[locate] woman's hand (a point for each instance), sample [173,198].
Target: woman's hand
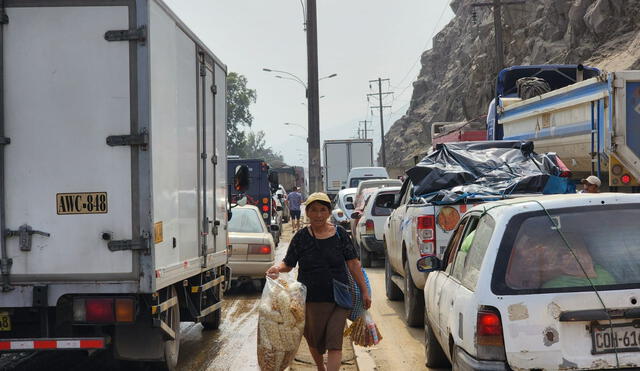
[273,272]
[366,301]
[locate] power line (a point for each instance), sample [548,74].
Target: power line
[380,106]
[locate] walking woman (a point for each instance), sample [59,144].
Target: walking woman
[321,250]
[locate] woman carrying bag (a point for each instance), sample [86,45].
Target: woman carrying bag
[324,253]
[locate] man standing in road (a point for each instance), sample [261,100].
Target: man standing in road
[295,200]
[591,184]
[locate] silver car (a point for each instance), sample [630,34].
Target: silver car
[343,207]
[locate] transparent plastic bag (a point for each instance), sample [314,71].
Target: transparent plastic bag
[363,331]
[281,317]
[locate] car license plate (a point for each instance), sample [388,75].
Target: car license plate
[5,321]
[81,203]
[625,337]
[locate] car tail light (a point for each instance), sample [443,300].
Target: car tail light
[489,338]
[259,249]
[369,227]
[99,310]
[265,208]
[426,235]
[625,179]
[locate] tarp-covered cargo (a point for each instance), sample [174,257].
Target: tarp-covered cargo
[455,171]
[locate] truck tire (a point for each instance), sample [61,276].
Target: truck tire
[393,292]
[434,355]
[413,300]
[212,320]
[365,257]
[172,347]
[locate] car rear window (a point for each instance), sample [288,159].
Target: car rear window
[355,181]
[383,205]
[570,250]
[245,221]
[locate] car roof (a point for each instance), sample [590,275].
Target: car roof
[248,207]
[347,190]
[557,201]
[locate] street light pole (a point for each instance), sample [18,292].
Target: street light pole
[315,184]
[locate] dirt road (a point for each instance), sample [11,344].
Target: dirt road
[402,347]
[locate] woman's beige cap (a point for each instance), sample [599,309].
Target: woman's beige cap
[318,196]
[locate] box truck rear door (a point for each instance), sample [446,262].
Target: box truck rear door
[66,90]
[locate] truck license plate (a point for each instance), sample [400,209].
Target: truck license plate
[81,203]
[625,337]
[5,321]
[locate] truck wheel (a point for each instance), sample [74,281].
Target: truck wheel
[413,300]
[434,355]
[393,292]
[212,320]
[172,347]
[365,257]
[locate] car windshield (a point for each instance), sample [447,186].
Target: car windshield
[245,221]
[383,205]
[355,181]
[604,249]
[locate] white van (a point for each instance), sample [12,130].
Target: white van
[358,174]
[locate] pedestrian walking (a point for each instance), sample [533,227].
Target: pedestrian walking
[591,184]
[295,199]
[323,253]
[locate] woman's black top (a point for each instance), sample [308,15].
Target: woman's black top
[320,263]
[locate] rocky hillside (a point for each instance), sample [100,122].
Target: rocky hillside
[457,78]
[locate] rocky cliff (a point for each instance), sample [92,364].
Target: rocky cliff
[457,78]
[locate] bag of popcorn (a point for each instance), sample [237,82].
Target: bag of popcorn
[280,322]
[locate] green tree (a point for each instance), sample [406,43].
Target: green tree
[256,147]
[239,98]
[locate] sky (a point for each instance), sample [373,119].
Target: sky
[359,40]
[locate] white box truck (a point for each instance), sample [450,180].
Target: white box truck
[340,156]
[113,196]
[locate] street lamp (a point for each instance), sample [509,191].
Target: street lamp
[292,124]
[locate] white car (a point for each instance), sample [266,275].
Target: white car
[542,283]
[252,249]
[358,174]
[343,207]
[369,230]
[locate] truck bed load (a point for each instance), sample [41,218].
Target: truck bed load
[489,168]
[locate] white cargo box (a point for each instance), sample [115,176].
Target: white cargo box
[115,113]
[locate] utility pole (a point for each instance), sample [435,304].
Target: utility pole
[381,106]
[497,27]
[365,131]
[313,104]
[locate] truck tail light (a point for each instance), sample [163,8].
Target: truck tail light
[259,249]
[489,338]
[265,208]
[99,310]
[625,179]
[125,310]
[426,235]
[104,310]
[369,227]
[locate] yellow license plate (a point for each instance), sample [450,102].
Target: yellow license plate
[5,321]
[81,203]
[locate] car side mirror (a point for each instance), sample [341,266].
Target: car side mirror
[355,215]
[274,228]
[349,206]
[241,178]
[349,199]
[428,264]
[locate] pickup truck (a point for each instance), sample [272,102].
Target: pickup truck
[414,229]
[440,189]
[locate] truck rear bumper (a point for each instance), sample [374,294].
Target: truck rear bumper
[19,345]
[22,294]
[372,244]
